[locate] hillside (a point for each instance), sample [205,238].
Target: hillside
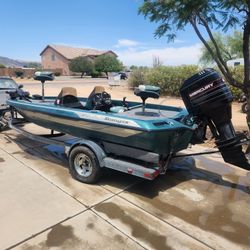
[8,62]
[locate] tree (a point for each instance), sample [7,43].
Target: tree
[204,16]
[107,63]
[156,61]
[230,47]
[133,67]
[2,66]
[82,65]
[35,65]
[235,44]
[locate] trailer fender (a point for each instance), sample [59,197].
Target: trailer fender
[97,150]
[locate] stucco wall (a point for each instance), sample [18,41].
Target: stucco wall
[59,61]
[12,72]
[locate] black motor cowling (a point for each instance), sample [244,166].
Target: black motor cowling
[208,99]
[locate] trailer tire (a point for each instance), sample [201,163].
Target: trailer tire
[4,119]
[244,107]
[83,165]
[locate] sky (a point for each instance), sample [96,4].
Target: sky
[27,27]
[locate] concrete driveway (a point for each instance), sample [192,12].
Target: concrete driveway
[200,203]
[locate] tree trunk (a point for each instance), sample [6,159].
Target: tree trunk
[227,74]
[246,36]
[218,52]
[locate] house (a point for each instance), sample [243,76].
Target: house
[57,57]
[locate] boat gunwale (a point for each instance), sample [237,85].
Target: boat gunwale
[177,125]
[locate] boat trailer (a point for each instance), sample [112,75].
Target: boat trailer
[208,101]
[87,158]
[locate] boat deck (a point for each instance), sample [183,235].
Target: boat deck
[136,113]
[149,114]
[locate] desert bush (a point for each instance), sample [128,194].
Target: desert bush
[237,93]
[238,73]
[57,73]
[170,78]
[137,78]
[95,74]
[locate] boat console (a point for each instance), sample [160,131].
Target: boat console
[99,99]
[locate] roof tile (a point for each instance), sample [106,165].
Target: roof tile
[72,52]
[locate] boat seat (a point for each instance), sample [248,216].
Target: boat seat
[147,91]
[43,76]
[68,98]
[99,99]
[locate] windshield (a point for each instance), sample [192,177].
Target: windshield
[6,83]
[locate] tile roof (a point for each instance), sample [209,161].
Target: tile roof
[72,52]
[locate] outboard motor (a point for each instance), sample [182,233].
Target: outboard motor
[208,99]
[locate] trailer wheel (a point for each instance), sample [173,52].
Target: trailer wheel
[83,165]
[4,119]
[244,107]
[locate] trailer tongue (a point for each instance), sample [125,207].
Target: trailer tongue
[208,100]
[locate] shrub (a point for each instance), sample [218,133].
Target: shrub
[237,93]
[95,74]
[136,78]
[2,66]
[171,78]
[57,73]
[238,73]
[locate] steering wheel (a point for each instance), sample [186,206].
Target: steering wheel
[102,101]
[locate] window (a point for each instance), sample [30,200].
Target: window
[53,57]
[6,83]
[236,64]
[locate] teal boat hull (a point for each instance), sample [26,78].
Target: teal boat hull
[161,135]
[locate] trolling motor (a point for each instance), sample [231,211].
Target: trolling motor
[43,76]
[208,100]
[18,93]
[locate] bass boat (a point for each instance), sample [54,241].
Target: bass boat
[153,128]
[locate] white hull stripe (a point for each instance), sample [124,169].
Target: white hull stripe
[88,115]
[107,129]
